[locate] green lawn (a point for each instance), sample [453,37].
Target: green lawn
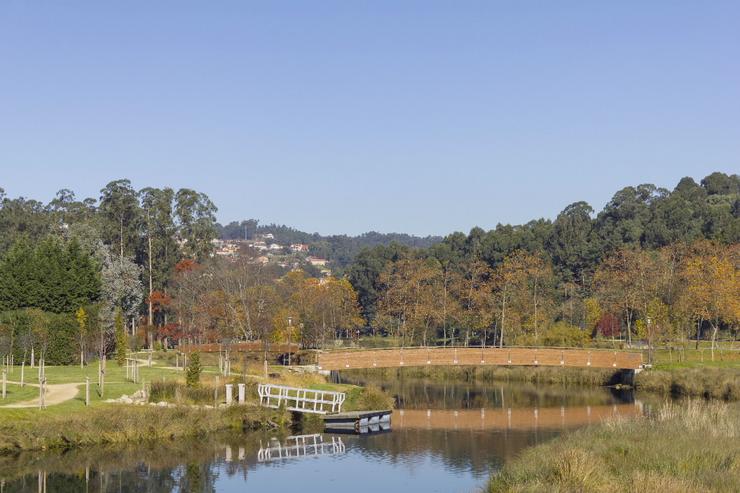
[726,355]
[115,386]
[16,393]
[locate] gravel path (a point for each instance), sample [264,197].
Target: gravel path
[55,394]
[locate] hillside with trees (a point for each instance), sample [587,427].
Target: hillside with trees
[340,250]
[654,265]
[135,268]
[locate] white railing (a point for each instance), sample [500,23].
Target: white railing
[300,400]
[300,446]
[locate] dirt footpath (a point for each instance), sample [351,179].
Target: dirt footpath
[55,394]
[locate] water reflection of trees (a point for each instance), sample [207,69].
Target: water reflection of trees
[182,465]
[480,452]
[414,393]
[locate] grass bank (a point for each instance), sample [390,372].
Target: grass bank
[682,448]
[709,383]
[118,424]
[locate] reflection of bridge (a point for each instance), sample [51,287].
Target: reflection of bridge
[478,356]
[300,446]
[511,418]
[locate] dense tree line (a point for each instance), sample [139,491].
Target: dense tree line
[75,265]
[80,277]
[547,278]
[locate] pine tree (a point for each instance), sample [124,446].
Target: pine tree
[192,372]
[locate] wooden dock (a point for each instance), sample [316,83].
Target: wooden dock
[358,421]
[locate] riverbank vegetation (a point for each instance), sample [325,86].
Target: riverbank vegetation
[112,423]
[683,447]
[709,383]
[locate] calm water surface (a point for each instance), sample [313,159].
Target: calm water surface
[446,437]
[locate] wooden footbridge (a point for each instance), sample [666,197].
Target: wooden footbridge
[479,356]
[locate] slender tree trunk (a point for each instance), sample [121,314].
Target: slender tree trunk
[444,309]
[151,283]
[698,332]
[535,311]
[121,240]
[503,320]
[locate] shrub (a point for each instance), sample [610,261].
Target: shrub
[566,335]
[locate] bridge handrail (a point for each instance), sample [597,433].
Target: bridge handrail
[319,399]
[286,387]
[561,348]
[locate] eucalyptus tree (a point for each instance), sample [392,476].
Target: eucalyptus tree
[626,218]
[572,244]
[21,217]
[196,223]
[159,252]
[121,217]
[65,210]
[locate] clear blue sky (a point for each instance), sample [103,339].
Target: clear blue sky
[421,117]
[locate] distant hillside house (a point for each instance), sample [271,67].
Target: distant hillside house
[259,245]
[299,247]
[317,262]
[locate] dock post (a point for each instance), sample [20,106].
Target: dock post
[229,394]
[242,389]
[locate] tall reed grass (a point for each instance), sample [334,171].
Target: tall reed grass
[684,447]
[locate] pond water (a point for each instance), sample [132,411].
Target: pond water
[445,437]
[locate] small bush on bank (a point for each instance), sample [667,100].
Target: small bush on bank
[178,393]
[373,398]
[562,334]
